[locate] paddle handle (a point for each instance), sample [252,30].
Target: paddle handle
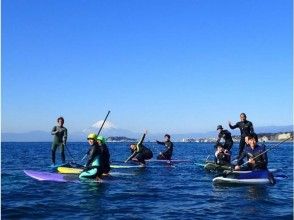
[99,130]
[103,123]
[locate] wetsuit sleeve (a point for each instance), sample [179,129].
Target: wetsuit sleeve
[234,126]
[65,136]
[92,154]
[142,139]
[251,128]
[240,160]
[219,138]
[159,142]
[53,131]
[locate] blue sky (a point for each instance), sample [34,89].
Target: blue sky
[168,66]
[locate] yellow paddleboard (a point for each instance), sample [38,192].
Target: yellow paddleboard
[68,170]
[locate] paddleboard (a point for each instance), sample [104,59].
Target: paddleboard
[244,178]
[136,166]
[69,170]
[124,166]
[169,161]
[216,167]
[47,176]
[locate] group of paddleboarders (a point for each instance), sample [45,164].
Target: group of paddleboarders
[98,163]
[248,147]
[140,153]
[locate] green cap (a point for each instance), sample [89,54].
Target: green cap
[102,139]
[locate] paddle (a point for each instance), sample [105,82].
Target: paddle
[225,174]
[98,131]
[69,153]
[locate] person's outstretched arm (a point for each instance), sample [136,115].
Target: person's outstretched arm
[142,139]
[160,142]
[233,126]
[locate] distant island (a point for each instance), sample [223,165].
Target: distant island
[267,137]
[120,139]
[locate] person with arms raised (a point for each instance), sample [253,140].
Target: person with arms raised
[139,152]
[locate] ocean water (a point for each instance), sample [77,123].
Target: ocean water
[162,192]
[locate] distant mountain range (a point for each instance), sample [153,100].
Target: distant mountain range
[43,136]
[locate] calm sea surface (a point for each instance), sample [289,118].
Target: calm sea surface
[159,192]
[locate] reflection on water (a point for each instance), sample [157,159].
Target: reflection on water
[258,192]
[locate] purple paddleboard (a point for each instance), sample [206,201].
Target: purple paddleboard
[47,176]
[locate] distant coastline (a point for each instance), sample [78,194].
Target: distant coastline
[262,137]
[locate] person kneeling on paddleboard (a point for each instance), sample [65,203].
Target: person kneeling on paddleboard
[256,156]
[93,169]
[139,152]
[105,156]
[167,154]
[222,156]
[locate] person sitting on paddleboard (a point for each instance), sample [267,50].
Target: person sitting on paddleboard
[226,135]
[246,128]
[257,159]
[105,156]
[167,154]
[93,169]
[222,156]
[139,152]
[59,139]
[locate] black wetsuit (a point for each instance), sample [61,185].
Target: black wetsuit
[105,158]
[167,154]
[246,128]
[93,167]
[260,162]
[222,159]
[60,137]
[141,153]
[226,135]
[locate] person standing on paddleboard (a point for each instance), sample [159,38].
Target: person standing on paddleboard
[59,139]
[246,128]
[167,154]
[226,135]
[105,156]
[139,152]
[251,151]
[93,169]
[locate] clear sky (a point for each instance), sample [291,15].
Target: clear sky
[165,65]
